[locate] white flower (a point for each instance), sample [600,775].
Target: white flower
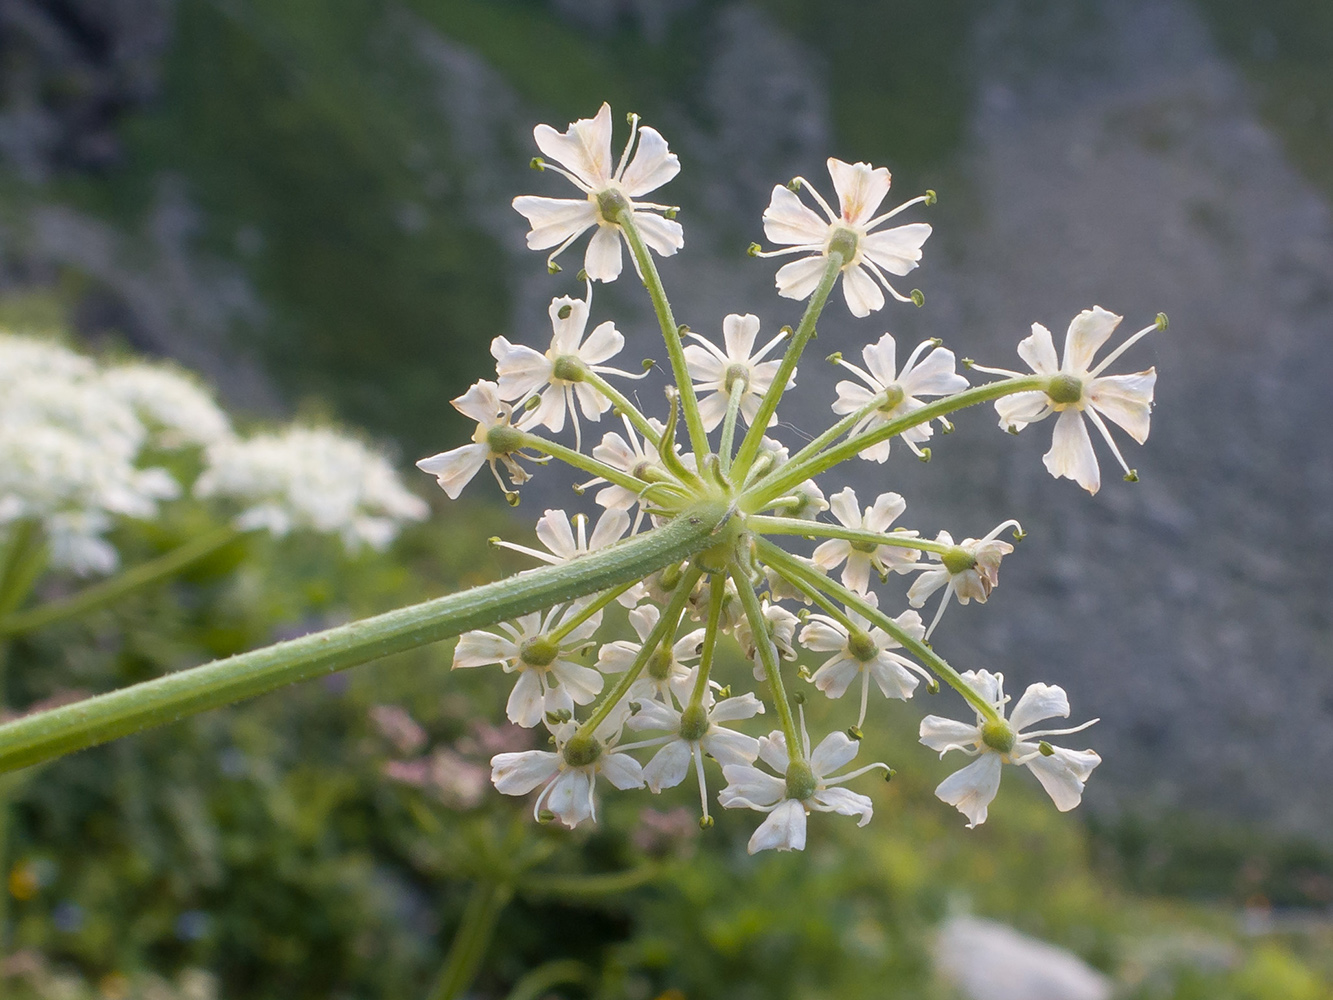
[862,557]
[801,789]
[715,372]
[566,540]
[1078,389]
[310,478]
[584,151]
[170,402]
[666,672]
[969,569]
[898,393]
[863,651]
[549,681]
[781,625]
[694,733]
[455,468]
[805,502]
[570,773]
[1061,772]
[523,371]
[860,189]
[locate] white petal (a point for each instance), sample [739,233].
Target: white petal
[821,637]
[844,802]
[554,531]
[851,397]
[481,402]
[846,507]
[799,278]
[703,365]
[1071,454]
[1063,775]
[730,747]
[1022,408]
[1088,331]
[861,291]
[526,704]
[973,788]
[664,236]
[738,334]
[567,330]
[750,788]
[477,649]
[1039,701]
[897,250]
[834,751]
[622,770]
[570,797]
[584,149]
[583,683]
[617,657]
[554,220]
[1038,350]
[788,222]
[831,553]
[1125,399]
[713,410]
[856,574]
[885,510]
[783,830]
[455,469]
[603,344]
[942,735]
[926,584]
[591,402]
[934,375]
[610,527]
[653,164]
[741,706]
[860,188]
[881,359]
[669,766]
[520,773]
[893,679]
[836,676]
[603,259]
[773,751]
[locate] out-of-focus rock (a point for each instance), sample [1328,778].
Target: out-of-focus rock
[990,961]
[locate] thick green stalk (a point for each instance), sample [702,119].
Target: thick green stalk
[795,473]
[670,330]
[768,406]
[768,658]
[473,937]
[785,563]
[90,598]
[581,461]
[59,731]
[763,525]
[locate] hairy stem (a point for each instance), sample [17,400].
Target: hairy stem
[764,525]
[53,733]
[768,658]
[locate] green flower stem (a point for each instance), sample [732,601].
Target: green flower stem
[729,425]
[50,734]
[153,571]
[794,473]
[717,592]
[793,569]
[836,431]
[581,461]
[768,406]
[824,601]
[24,560]
[570,887]
[538,983]
[576,620]
[670,330]
[663,631]
[764,525]
[473,937]
[768,658]
[622,404]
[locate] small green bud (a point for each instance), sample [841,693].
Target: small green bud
[1012,429]
[786,331]
[635,708]
[724,693]
[854,733]
[610,203]
[670,213]
[537,163]
[661,662]
[503,439]
[1064,388]
[754,249]
[834,358]
[1162,321]
[546,816]
[693,723]
[647,364]
[957,560]
[844,242]
[800,780]
[512,498]
[581,276]
[569,368]
[532,402]
[803,673]
[733,374]
[968,362]
[893,394]
[1046,749]
[553,268]
[632,118]
[539,651]
[798,697]
[1132,476]
[947,426]
[998,735]
[581,751]
[925,455]
[931,197]
[918,297]
[794,184]
[890,774]
[494,541]
[861,646]
[564,311]
[558,717]
[578,489]
[1018,534]
[932,686]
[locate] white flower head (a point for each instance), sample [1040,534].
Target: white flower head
[896,392]
[695,731]
[862,557]
[570,773]
[716,372]
[631,453]
[492,442]
[804,786]
[867,255]
[584,154]
[172,403]
[781,625]
[1078,389]
[969,570]
[667,673]
[1061,772]
[863,651]
[557,375]
[550,682]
